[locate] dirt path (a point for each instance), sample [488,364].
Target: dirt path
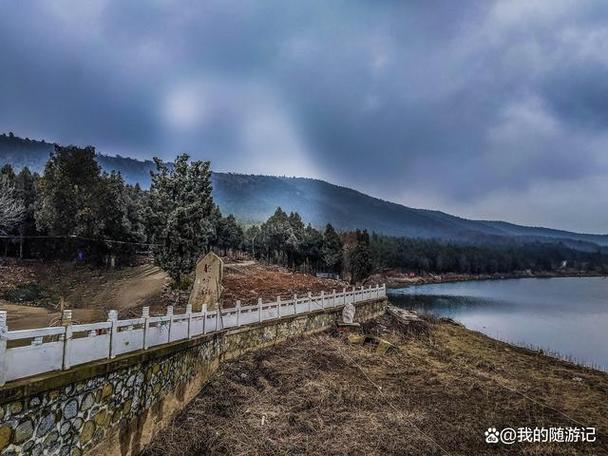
[136,287]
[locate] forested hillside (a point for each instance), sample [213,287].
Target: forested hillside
[21,153]
[253,198]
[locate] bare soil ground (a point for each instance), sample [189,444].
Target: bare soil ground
[249,281]
[437,395]
[31,291]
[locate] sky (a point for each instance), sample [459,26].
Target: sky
[483,109]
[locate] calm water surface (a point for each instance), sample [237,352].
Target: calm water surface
[564,315]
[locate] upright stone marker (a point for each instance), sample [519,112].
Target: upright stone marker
[348,314]
[207,288]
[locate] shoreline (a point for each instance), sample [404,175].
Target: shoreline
[540,350]
[402,280]
[535,350]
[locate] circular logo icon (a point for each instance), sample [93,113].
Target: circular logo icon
[508,436]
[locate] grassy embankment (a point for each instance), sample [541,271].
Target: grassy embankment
[440,392]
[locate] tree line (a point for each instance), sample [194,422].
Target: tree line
[284,239]
[74,210]
[422,256]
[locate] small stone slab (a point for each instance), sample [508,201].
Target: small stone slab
[356,339]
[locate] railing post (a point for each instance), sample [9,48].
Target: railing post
[362,293]
[189,314]
[204,318]
[309,301]
[259,310]
[218,315]
[278,307]
[353,295]
[170,315]
[333,297]
[322,300]
[66,322]
[113,318]
[3,331]
[295,304]
[238,313]
[145,314]
[383,290]
[344,295]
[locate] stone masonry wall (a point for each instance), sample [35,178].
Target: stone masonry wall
[113,407]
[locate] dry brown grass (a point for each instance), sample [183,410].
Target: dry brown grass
[446,385]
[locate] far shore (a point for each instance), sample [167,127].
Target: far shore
[394,279]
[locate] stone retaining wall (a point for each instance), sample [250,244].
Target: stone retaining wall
[114,407]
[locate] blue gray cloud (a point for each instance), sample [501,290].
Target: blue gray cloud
[483,109]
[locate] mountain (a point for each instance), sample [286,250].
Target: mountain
[34,154]
[253,198]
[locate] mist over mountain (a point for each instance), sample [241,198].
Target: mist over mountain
[253,198]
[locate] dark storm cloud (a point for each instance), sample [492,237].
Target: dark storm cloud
[486,109]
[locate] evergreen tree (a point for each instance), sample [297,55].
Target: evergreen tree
[360,258]
[120,216]
[25,190]
[69,193]
[179,214]
[332,250]
[229,234]
[311,248]
[12,209]
[75,199]
[294,248]
[252,241]
[275,233]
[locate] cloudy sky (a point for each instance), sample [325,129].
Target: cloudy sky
[494,110]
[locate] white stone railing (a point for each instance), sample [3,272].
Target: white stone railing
[28,352]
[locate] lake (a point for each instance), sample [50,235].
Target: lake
[562,315]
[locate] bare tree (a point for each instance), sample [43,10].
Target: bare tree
[12,209]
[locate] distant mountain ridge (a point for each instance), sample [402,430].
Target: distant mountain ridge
[34,154]
[253,198]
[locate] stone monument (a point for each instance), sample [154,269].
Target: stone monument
[348,314]
[207,288]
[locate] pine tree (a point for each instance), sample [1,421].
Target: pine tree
[179,214]
[252,241]
[229,234]
[332,250]
[69,193]
[360,258]
[311,248]
[276,232]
